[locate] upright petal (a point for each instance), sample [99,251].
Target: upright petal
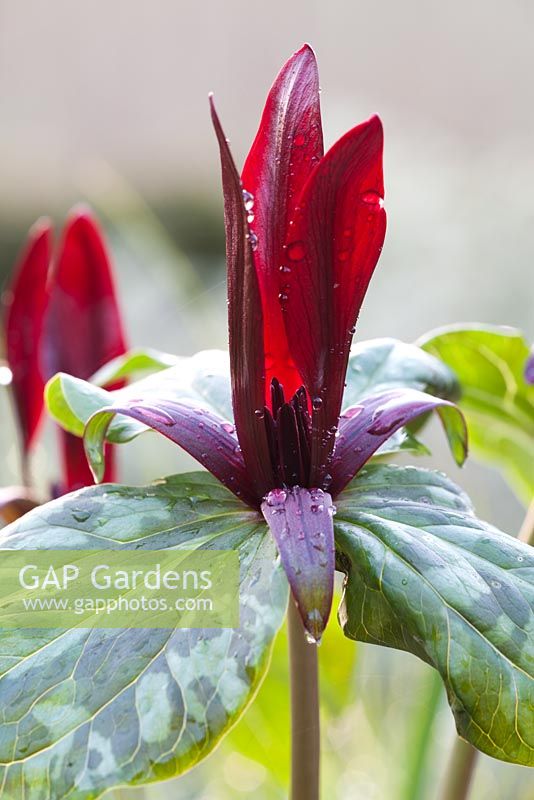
[245,323]
[25,303]
[301,523]
[334,244]
[287,146]
[365,427]
[83,326]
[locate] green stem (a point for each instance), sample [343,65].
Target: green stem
[305,728]
[464,757]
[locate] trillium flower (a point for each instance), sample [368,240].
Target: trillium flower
[304,231]
[61,314]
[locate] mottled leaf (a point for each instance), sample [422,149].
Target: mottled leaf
[425,575]
[86,710]
[498,404]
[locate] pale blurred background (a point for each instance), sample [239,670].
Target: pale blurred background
[107,102]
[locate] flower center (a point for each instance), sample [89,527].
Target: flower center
[288,428]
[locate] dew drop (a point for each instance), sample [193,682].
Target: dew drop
[228,427]
[317,508]
[317,402]
[284,269]
[299,140]
[282,297]
[352,412]
[259,413]
[253,239]
[295,251]
[384,423]
[250,218]
[372,199]
[156,415]
[81,516]
[248,200]
[276,497]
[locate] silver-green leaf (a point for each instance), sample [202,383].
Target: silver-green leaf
[84,710]
[423,574]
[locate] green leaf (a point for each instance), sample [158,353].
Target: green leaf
[497,402]
[85,710]
[203,378]
[132,363]
[379,365]
[425,575]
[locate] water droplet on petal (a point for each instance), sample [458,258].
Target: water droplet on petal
[372,199]
[253,239]
[228,427]
[276,497]
[295,251]
[299,140]
[156,415]
[248,200]
[317,402]
[81,516]
[352,412]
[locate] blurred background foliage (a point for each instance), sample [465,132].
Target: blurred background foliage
[107,103]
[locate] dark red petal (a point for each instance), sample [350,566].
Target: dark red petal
[83,326]
[203,434]
[287,146]
[365,427]
[332,249]
[76,471]
[25,302]
[245,324]
[301,523]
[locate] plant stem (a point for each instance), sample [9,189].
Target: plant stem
[460,771]
[305,729]
[464,757]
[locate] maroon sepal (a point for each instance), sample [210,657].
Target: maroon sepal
[204,435]
[245,323]
[365,427]
[301,522]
